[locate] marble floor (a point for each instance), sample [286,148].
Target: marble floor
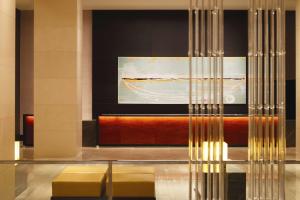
[171,180]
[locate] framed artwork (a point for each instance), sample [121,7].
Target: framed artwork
[165,80]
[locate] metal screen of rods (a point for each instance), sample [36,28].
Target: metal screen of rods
[266,100]
[206,119]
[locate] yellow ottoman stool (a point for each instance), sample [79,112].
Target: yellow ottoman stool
[132,186]
[80,182]
[78,185]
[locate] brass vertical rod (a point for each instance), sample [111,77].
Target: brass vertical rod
[283,75]
[254,101]
[250,192]
[259,97]
[279,92]
[209,125]
[202,101]
[272,96]
[281,98]
[221,110]
[214,95]
[196,98]
[190,54]
[266,103]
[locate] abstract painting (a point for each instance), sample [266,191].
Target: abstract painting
[165,80]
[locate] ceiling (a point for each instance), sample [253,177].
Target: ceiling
[148,4]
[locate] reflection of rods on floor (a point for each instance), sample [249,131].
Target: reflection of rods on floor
[148,93]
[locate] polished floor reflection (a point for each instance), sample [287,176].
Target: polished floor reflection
[149,153]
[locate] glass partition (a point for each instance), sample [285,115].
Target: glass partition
[30,180]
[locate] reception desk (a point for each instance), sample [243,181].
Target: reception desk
[163,130]
[154,130]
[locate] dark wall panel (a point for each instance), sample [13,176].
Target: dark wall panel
[132,33]
[291,65]
[235,33]
[155,33]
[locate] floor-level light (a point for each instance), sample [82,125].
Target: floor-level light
[17,150]
[214,155]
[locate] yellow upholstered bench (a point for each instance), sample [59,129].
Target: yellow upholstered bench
[133,185]
[130,182]
[88,182]
[80,182]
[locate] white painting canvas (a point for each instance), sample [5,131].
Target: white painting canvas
[165,80]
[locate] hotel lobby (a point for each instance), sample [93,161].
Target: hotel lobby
[149,100]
